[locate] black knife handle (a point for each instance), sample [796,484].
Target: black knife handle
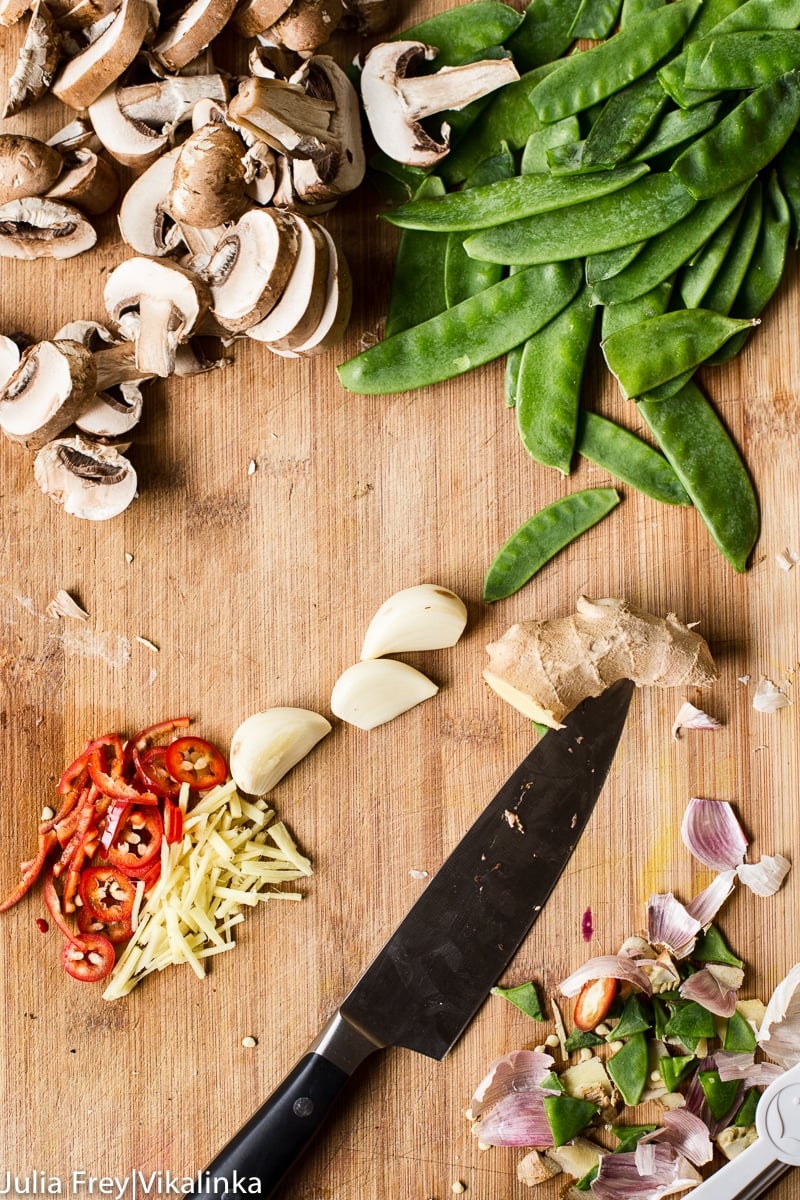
[259,1155]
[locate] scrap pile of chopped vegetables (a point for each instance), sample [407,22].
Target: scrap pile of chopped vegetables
[154,852]
[659,1024]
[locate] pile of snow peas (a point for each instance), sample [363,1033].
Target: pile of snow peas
[642,190]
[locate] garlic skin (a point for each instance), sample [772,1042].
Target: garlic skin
[376,690]
[424,617]
[268,744]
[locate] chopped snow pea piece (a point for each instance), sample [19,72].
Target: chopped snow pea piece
[629,459]
[476,331]
[629,1068]
[690,1023]
[747,1112]
[419,255]
[582,1039]
[636,1017]
[463,32]
[629,1136]
[742,60]
[508,200]
[721,1096]
[567,1116]
[525,997]
[712,947]
[675,1068]
[645,207]
[739,1036]
[580,82]
[542,536]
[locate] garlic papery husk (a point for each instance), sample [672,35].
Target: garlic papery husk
[769,696]
[711,832]
[619,1177]
[779,1032]
[661,971]
[268,744]
[508,1104]
[519,1071]
[686,1133]
[424,617]
[606,966]
[670,925]
[696,1099]
[733,1065]
[378,689]
[706,904]
[765,876]
[690,717]
[715,986]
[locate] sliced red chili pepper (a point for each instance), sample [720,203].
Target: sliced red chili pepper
[138,840]
[88,958]
[47,843]
[145,737]
[53,905]
[116,787]
[117,932]
[106,893]
[594,1000]
[114,818]
[151,767]
[173,822]
[196,762]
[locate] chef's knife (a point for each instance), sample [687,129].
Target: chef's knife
[431,977]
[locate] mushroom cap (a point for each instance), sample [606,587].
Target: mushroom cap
[36,227]
[91,480]
[28,167]
[86,76]
[50,387]
[9,359]
[112,413]
[208,182]
[251,266]
[144,221]
[341,169]
[88,181]
[195,27]
[36,64]
[252,17]
[306,25]
[130,142]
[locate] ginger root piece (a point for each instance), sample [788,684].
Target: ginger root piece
[545,668]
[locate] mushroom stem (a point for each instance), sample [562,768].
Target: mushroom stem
[169,101]
[283,115]
[453,88]
[117,364]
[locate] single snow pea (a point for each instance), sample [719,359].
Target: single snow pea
[580,82]
[788,168]
[535,154]
[464,32]
[633,213]
[725,286]
[508,200]
[610,262]
[745,59]
[544,34]
[511,374]
[625,121]
[464,276]
[629,459]
[567,1116]
[660,348]
[549,384]
[709,466]
[744,141]
[676,127]
[419,256]
[631,312]
[595,18]
[698,274]
[476,331]
[542,536]
[631,9]
[667,252]
[629,1068]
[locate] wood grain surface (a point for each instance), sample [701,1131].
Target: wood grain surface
[256,587]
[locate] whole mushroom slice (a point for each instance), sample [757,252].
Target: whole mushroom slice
[112,413]
[306,25]
[36,227]
[300,308]
[282,115]
[156,304]
[144,222]
[250,267]
[195,27]
[80,14]
[86,76]
[28,167]
[208,180]
[9,358]
[36,64]
[50,387]
[77,134]
[326,179]
[88,181]
[335,314]
[396,101]
[91,480]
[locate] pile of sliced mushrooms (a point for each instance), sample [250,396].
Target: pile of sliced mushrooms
[230,175]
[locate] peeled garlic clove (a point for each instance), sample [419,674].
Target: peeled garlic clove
[425,617]
[376,690]
[270,743]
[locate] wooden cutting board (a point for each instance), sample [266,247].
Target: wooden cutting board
[276,512]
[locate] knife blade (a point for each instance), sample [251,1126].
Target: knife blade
[424,987]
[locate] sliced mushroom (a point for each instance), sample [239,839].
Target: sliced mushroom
[48,390]
[130,142]
[195,27]
[35,227]
[369,16]
[282,115]
[269,61]
[144,221]
[252,17]
[156,304]
[92,481]
[9,358]
[300,307]
[200,245]
[88,181]
[306,25]
[251,266]
[75,135]
[84,78]
[395,102]
[260,172]
[324,180]
[208,182]
[81,14]
[36,64]
[113,413]
[208,112]
[28,167]
[335,314]
[201,354]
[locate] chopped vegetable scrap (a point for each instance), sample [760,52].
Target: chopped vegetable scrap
[153,851]
[661,1024]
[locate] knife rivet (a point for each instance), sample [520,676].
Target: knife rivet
[303,1106]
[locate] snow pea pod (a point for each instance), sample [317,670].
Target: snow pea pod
[548,384]
[544,34]
[542,536]
[629,459]
[660,348]
[582,81]
[610,262]
[624,123]
[699,273]
[596,18]
[631,312]
[508,200]
[462,33]
[709,466]
[677,127]
[744,141]
[665,253]
[631,9]
[725,286]
[418,256]
[465,276]
[535,155]
[476,331]
[746,59]
[788,167]
[633,213]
